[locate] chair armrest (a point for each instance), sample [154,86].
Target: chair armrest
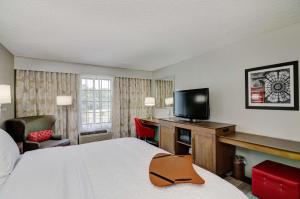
[29,145]
[56,137]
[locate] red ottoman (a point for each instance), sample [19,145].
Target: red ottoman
[271,180]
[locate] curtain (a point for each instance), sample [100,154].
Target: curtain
[164,89]
[128,102]
[36,93]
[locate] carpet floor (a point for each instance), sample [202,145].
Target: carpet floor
[244,187]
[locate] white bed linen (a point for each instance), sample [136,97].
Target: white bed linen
[103,170]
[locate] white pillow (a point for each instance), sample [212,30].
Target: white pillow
[9,154]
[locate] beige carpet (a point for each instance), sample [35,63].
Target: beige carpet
[244,187]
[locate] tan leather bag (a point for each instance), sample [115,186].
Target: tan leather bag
[166,169]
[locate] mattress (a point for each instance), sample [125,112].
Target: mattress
[103,170]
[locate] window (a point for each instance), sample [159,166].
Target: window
[96,99]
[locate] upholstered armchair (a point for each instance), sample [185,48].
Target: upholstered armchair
[19,129]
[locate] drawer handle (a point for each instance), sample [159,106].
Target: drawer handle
[281,187]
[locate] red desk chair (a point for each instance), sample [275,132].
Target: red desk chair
[143,131]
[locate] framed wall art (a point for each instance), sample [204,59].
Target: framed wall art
[272,87]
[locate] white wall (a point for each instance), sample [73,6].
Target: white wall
[7,77]
[222,71]
[55,66]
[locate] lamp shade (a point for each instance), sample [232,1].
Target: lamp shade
[5,94]
[169,101]
[64,100]
[149,101]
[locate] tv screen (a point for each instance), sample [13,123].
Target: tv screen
[192,104]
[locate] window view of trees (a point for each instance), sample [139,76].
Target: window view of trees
[96,102]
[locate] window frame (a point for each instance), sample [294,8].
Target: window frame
[90,127]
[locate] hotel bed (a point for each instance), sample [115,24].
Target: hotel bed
[102,170]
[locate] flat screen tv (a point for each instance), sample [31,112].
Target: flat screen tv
[192,104]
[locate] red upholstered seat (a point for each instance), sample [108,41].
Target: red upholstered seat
[143,131]
[271,180]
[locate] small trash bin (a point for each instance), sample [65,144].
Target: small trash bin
[239,167]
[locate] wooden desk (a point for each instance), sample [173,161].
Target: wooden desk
[151,122]
[274,146]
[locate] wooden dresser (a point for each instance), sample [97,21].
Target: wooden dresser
[207,152]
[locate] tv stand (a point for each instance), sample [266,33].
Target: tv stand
[194,120]
[197,121]
[206,151]
[179,119]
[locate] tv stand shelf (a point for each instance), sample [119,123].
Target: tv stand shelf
[206,151]
[204,124]
[183,143]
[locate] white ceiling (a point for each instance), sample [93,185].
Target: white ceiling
[136,34]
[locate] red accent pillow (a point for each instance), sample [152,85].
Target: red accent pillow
[40,136]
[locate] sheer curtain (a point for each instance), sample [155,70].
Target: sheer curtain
[164,89]
[128,102]
[36,93]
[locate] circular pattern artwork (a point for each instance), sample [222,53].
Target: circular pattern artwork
[277,86]
[273,87]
